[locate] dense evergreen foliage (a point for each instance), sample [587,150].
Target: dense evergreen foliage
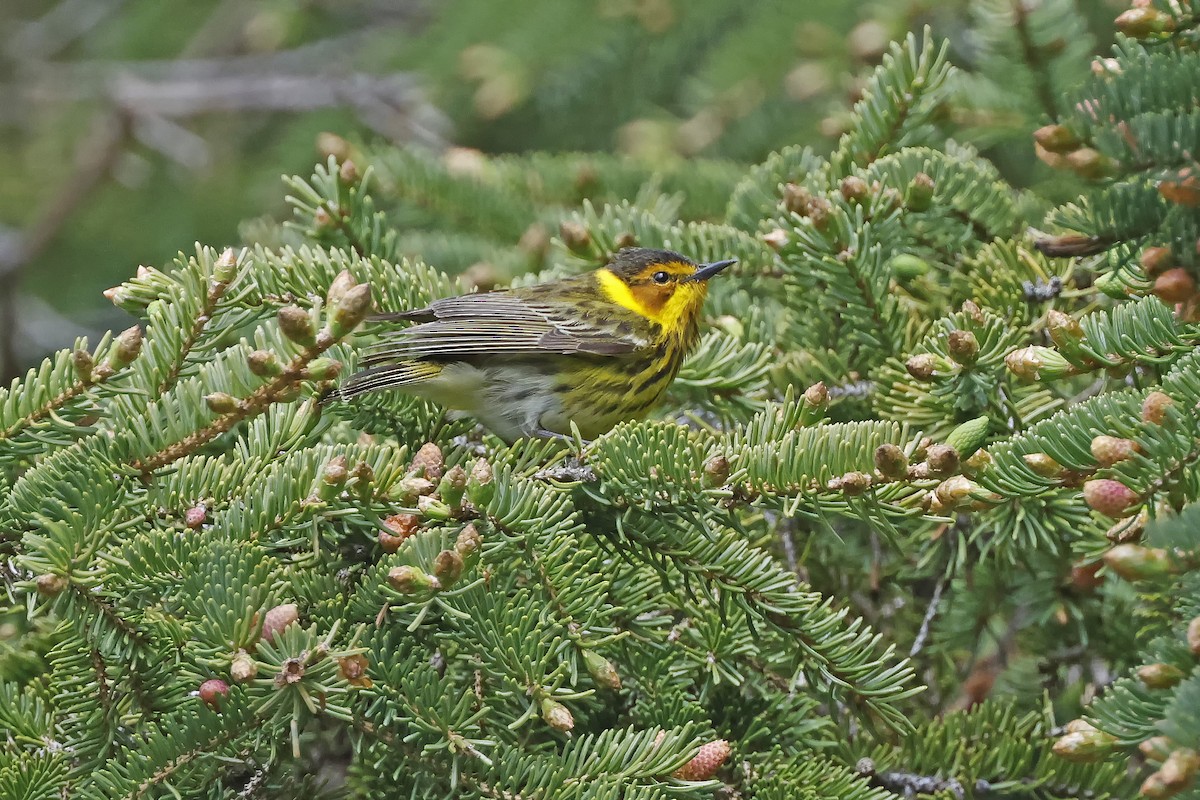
[917,518]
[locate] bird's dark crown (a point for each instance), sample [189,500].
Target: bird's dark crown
[629,262]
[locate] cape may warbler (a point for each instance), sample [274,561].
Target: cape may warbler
[593,349]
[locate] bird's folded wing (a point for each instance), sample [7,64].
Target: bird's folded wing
[500,323]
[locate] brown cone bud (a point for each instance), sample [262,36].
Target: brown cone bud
[1177,773]
[1157,260]
[341,284]
[264,364]
[891,462]
[1035,363]
[557,715]
[468,542]
[1043,465]
[1090,164]
[297,326]
[428,462]
[84,364]
[448,567]
[279,618]
[963,347]
[716,471]
[1065,330]
[335,474]
[1056,138]
[1174,286]
[221,403]
[244,668]
[922,366]
[575,236]
[955,491]
[211,692]
[797,199]
[1142,22]
[706,762]
[817,396]
[1134,562]
[1109,497]
[1157,749]
[942,460]
[126,348]
[354,670]
[397,528]
[1193,636]
[1154,407]
[851,484]
[348,172]
[50,584]
[854,189]
[410,581]
[1159,676]
[1108,450]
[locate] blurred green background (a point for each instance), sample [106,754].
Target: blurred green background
[130,129]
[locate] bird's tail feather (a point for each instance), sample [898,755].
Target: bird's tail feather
[389,376]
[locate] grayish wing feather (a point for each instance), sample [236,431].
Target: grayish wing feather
[497,323]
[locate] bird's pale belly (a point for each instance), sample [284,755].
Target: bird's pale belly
[524,398]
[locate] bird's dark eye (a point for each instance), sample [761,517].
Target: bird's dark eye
[660,277]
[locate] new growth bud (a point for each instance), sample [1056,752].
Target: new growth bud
[84,364]
[1134,562]
[126,348]
[1154,407]
[1108,450]
[211,692]
[891,462]
[452,486]
[297,326]
[557,715]
[1109,497]
[706,762]
[350,310]
[716,471]
[264,364]
[428,462]
[602,670]
[575,236]
[963,347]
[221,403]
[244,668]
[480,488]
[411,581]
[448,567]
[278,619]
[1085,745]
[919,194]
[225,267]
[1159,676]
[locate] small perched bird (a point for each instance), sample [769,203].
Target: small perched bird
[593,349]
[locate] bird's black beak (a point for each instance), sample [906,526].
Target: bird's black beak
[706,271]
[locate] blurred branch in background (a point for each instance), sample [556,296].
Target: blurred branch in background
[151,103]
